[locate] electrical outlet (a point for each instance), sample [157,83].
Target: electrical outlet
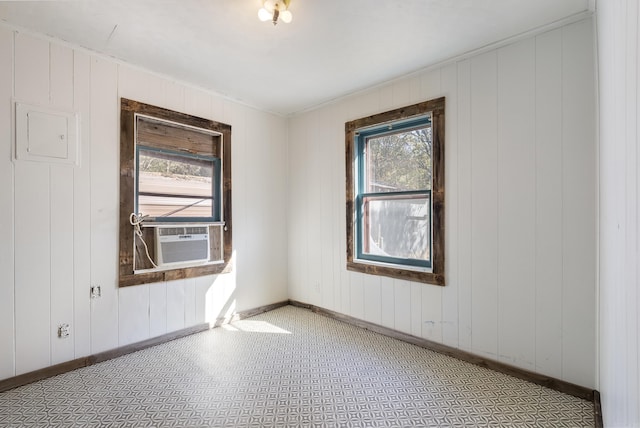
[63,331]
[96,292]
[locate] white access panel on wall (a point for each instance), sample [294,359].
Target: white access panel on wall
[46,135]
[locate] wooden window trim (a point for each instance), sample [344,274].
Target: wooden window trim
[128,111]
[436,107]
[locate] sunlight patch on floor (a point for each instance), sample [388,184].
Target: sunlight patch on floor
[255,327]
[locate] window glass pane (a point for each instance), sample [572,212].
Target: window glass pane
[169,173]
[173,185]
[397,227]
[399,161]
[171,206]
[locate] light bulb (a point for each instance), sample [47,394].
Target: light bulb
[286,16]
[264,15]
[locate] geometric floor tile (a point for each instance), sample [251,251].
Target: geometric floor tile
[288,368]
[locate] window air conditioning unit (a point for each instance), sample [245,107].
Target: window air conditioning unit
[181,245]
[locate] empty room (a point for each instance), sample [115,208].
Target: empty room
[270,213]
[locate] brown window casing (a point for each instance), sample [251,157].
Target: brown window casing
[436,109]
[189,141]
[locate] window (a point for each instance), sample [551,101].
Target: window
[395,193]
[175,175]
[173,186]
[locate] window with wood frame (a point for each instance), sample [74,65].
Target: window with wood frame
[395,193]
[175,195]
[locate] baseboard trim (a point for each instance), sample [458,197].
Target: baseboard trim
[67,366]
[547,381]
[597,410]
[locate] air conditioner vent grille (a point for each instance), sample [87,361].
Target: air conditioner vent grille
[170,231]
[196,230]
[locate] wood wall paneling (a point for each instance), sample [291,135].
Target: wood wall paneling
[31,69]
[372,299]
[387,297]
[158,309]
[62,258]
[548,240]
[401,92]
[465,208]
[61,77]
[315,177]
[579,205]
[7,288]
[416,309]
[197,103]
[176,304]
[217,109]
[33,286]
[32,205]
[277,265]
[619,181]
[632,192]
[431,85]
[174,96]
[336,180]
[402,305]
[136,84]
[82,209]
[248,240]
[264,228]
[133,314]
[340,116]
[484,202]
[631,272]
[431,308]
[221,297]
[356,286]
[327,201]
[62,218]
[203,286]
[516,204]
[104,203]
[296,238]
[385,99]
[190,302]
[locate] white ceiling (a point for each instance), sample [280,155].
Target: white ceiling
[332,47]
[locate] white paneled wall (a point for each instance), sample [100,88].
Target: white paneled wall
[520,208]
[619,52]
[59,223]
[7,272]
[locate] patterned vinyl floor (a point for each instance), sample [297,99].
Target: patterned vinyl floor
[288,368]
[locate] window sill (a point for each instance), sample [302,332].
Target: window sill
[177,266]
[393,265]
[173,273]
[409,273]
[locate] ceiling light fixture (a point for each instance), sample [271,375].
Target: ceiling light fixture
[273,9]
